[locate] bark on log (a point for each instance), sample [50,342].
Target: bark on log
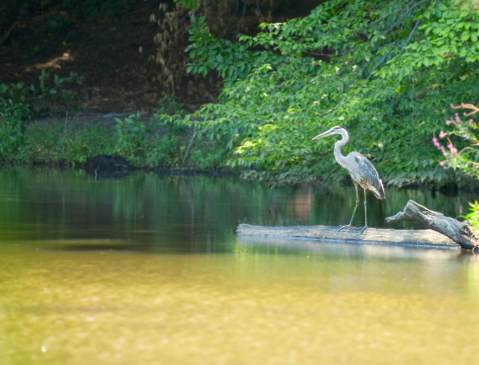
[459,232]
[421,238]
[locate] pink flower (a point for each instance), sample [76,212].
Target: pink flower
[443,151]
[456,121]
[442,134]
[452,149]
[438,145]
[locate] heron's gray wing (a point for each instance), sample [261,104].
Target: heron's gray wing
[367,174]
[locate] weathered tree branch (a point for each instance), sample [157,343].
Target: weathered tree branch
[459,232]
[473,109]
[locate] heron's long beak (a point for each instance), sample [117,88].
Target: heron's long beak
[324,134]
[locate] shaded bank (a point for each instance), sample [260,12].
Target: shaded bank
[381,79]
[155,143]
[129,52]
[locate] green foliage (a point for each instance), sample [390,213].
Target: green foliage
[53,93]
[13,117]
[130,138]
[42,143]
[14,100]
[448,34]
[82,142]
[49,95]
[15,113]
[459,144]
[166,142]
[156,142]
[169,105]
[187,4]
[66,143]
[385,70]
[472,217]
[145,143]
[232,61]
[19,103]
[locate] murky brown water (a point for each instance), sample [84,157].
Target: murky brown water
[147,270]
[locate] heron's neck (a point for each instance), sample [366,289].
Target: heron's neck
[338,155]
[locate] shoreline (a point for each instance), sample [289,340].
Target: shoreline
[450,189]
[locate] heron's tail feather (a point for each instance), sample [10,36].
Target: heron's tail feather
[380,194]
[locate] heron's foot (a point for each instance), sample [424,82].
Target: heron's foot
[347,226]
[363,229]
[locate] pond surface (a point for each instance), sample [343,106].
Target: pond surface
[147,270]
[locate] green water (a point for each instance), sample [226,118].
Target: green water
[147,270]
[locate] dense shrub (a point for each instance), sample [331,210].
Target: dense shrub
[386,70]
[458,144]
[459,141]
[20,103]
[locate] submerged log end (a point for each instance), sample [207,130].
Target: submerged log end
[399,216]
[459,232]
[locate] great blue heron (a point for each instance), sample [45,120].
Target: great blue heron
[362,171]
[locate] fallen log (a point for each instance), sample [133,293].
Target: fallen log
[421,238]
[457,231]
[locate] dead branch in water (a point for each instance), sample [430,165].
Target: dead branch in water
[459,232]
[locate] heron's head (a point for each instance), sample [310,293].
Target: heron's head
[335,130]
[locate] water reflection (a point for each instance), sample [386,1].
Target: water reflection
[176,213]
[336,250]
[147,270]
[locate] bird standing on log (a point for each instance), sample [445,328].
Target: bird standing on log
[361,170]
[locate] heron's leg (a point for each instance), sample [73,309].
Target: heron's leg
[365,212]
[355,205]
[354,210]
